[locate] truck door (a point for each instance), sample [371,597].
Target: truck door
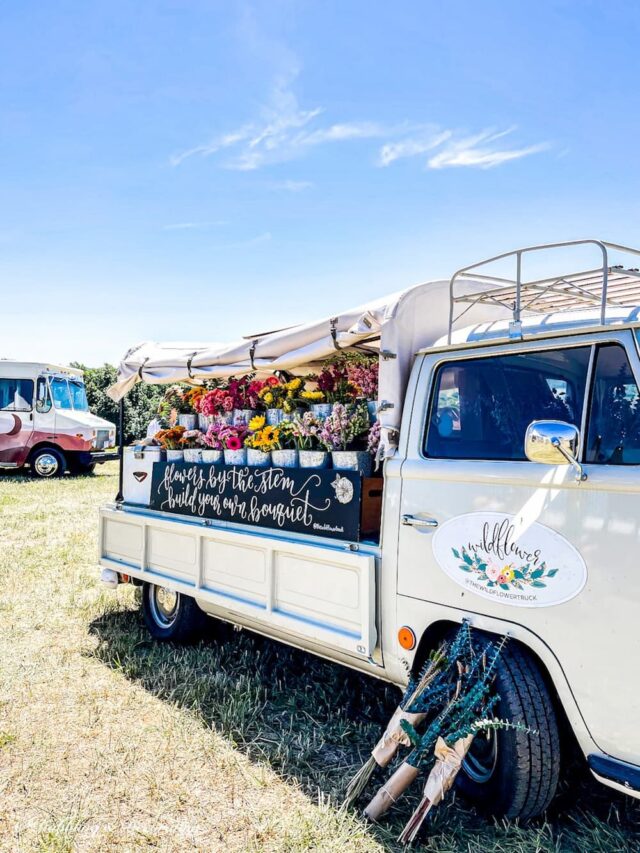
[44,414]
[16,420]
[527,542]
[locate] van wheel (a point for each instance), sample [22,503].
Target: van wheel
[47,462]
[514,774]
[169,615]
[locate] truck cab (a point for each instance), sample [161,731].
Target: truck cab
[511,499]
[45,422]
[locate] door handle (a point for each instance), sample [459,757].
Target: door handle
[416,521]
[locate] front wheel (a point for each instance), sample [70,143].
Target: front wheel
[512,773]
[169,615]
[47,462]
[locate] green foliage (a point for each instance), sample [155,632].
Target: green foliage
[140,404]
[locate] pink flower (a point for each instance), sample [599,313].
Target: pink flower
[234,443]
[493,573]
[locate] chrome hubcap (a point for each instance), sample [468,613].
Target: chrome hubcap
[164,604]
[46,465]
[482,758]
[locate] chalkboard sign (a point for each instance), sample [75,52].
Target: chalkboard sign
[301,500]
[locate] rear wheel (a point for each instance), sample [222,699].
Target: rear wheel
[170,615]
[47,462]
[512,773]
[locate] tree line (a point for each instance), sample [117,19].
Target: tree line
[140,404]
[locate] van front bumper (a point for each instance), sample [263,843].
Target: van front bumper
[88,457]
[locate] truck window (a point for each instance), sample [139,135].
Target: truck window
[61,394]
[614,418]
[481,407]
[16,395]
[78,395]
[43,398]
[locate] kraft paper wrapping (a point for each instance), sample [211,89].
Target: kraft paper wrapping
[391,791]
[443,773]
[394,736]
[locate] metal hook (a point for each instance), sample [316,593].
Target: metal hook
[141,368]
[334,333]
[189,361]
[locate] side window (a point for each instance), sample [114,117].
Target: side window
[16,395]
[482,407]
[43,398]
[614,419]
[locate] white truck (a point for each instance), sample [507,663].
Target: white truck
[511,498]
[45,422]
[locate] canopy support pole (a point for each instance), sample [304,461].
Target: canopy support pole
[120,496]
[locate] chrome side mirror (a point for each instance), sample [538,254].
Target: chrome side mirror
[554,443]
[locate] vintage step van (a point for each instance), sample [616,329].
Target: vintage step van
[510,418]
[45,422]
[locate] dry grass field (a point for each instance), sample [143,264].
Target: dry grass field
[111,743]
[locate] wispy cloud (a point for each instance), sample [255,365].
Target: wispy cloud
[412,147]
[193,226]
[284,131]
[481,151]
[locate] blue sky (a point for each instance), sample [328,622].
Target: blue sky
[191,170]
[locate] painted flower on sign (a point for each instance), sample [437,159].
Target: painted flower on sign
[503,575]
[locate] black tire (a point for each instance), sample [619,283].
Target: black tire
[47,463]
[170,616]
[514,774]
[81,469]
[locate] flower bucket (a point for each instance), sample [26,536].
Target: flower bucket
[313,458]
[192,454]
[274,416]
[372,406]
[187,421]
[242,416]
[212,456]
[284,458]
[258,457]
[175,455]
[321,410]
[225,418]
[235,457]
[204,422]
[353,460]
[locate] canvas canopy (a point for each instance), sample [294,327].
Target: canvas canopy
[395,326]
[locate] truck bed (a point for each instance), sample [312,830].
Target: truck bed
[315,589]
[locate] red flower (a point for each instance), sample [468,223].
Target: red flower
[272,380]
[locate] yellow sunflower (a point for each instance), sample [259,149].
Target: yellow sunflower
[257,423]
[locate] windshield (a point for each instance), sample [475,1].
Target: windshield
[78,395]
[68,394]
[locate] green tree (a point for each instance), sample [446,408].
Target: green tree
[140,404]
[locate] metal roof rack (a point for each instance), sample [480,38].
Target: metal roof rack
[602,287]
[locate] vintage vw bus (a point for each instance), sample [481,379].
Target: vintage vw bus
[510,498]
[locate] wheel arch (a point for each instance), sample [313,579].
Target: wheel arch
[45,445]
[438,630]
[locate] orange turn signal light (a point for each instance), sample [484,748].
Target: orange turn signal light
[407,638]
